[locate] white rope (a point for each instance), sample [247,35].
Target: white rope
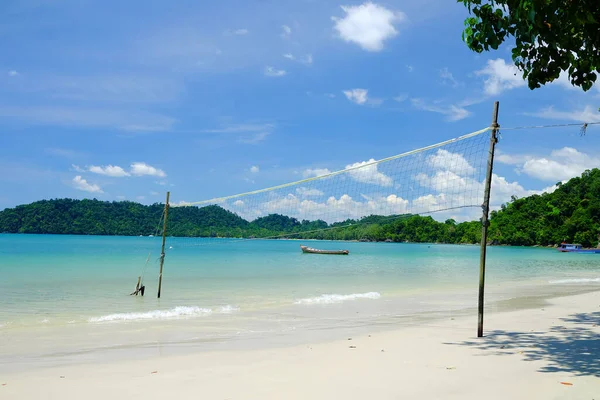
[433,146]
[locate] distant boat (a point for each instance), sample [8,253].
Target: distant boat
[306,249]
[576,248]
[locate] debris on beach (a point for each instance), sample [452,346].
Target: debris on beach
[62,376]
[154,372]
[352,347]
[451,367]
[566,383]
[349,338]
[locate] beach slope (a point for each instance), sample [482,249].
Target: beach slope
[551,352]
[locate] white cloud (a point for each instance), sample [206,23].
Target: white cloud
[588,114]
[561,165]
[401,97]
[153,193]
[13,73]
[109,170]
[273,72]
[81,184]
[410,68]
[238,203]
[309,59]
[500,76]
[453,162]
[181,203]
[289,56]
[452,112]
[358,96]
[334,209]
[240,32]
[142,169]
[510,159]
[368,174]
[306,192]
[255,169]
[448,78]
[286,31]
[368,25]
[307,173]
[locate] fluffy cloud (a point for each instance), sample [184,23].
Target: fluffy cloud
[143,169]
[561,165]
[273,72]
[13,73]
[240,32]
[334,209]
[358,96]
[81,184]
[366,172]
[310,172]
[368,25]
[108,170]
[500,76]
[255,169]
[453,162]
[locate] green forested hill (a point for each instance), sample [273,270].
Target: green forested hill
[571,213]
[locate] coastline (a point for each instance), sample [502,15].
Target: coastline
[535,246]
[548,351]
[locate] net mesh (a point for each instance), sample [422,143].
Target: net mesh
[445,180]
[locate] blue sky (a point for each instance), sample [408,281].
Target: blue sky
[125,100]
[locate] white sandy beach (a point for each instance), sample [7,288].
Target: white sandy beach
[544,353]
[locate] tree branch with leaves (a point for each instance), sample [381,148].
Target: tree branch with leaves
[550,36]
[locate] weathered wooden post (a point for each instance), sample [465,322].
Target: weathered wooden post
[164,238]
[484,220]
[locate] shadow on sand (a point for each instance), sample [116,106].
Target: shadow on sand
[573,347]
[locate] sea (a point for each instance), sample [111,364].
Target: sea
[66,299]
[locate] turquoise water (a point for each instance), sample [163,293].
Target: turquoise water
[219,290]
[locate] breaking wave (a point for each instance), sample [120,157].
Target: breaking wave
[173,313]
[576,280]
[337,298]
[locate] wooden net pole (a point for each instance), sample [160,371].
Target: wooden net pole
[164,238]
[484,220]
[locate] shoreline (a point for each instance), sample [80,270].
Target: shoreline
[525,354]
[278,238]
[115,341]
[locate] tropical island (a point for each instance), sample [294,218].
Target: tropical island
[571,213]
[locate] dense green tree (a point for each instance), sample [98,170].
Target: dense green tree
[550,36]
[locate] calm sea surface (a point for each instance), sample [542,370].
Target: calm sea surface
[64,297]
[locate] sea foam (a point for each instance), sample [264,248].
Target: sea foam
[173,313]
[337,298]
[576,280]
